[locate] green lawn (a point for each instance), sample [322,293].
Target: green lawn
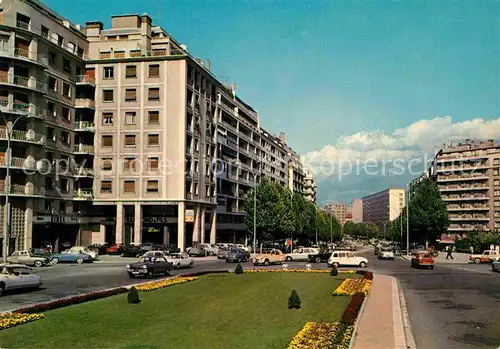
[216,311]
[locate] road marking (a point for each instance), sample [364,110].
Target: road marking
[399,333]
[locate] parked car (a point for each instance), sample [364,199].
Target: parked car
[180,260]
[197,252]
[210,250]
[100,248]
[422,259]
[149,266]
[300,254]
[39,252]
[495,266]
[237,256]
[319,257]
[222,254]
[275,256]
[487,256]
[85,250]
[71,257]
[16,277]
[148,246]
[150,254]
[133,251]
[346,259]
[115,249]
[26,258]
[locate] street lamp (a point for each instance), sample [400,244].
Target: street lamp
[407,218]
[255,208]
[291,211]
[6,235]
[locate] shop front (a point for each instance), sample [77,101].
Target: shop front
[59,232]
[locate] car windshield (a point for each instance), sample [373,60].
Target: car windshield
[146,260]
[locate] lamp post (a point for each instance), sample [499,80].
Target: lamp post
[316,223]
[407,219]
[331,229]
[6,235]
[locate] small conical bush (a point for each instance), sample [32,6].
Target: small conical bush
[133,296]
[294,300]
[334,272]
[238,269]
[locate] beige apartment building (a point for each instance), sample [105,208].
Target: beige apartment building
[341,212]
[467,175]
[357,210]
[383,207]
[126,136]
[310,188]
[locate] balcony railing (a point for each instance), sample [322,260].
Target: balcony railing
[463,167]
[84,103]
[462,188]
[22,136]
[18,189]
[84,148]
[17,162]
[455,178]
[23,81]
[85,80]
[133,54]
[84,171]
[24,54]
[84,194]
[84,126]
[27,109]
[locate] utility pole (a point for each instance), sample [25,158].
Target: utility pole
[408,219]
[316,223]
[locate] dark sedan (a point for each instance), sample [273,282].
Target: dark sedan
[321,257]
[150,266]
[133,251]
[237,256]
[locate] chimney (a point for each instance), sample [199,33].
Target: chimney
[233,88]
[282,137]
[207,64]
[199,61]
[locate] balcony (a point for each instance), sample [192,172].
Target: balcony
[84,103]
[23,136]
[462,188]
[464,198]
[24,55]
[84,148]
[84,194]
[85,126]
[463,167]
[84,172]
[23,81]
[455,178]
[21,190]
[28,110]
[85,80]
[469,218]
[455,208]
[137,53]
[230,127]
[18,163]
[245,136]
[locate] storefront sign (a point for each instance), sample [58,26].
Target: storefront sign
[189,216]
[152,220]
[56,219]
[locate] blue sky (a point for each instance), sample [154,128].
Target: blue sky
[321,70]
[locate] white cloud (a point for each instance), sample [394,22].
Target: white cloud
[421,137]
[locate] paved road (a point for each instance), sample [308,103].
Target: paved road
[454,306]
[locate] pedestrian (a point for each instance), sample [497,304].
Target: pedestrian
[472,249]
[449,251]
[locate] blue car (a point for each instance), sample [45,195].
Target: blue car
[71,257]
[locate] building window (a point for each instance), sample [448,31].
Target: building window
[129,186]
[52,59]
[129,164]
[107,95]
[106,187]
[130,71]
[130,118]
[60,40]
[153,140]
[130,95]
[130,140]
[153,163]
[52,84]
[45,32]
[107,118]
[67,65]
[107,141]
[152,186]
[108,73]
[107,164]
[154,94]
[66,90]
[66,114]
[154,70]
[153,117]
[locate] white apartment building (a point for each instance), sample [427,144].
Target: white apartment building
[383,207]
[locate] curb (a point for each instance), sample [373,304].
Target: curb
[355,329]
[397,317]
[410,340]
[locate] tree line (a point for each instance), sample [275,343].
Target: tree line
[282,214]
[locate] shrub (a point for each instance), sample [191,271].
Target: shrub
[334,272]
[351,312]
[294,300]
[367,274]
[238,269]
[133,296]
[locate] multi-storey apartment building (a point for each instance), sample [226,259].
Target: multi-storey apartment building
[357,210]
[41,76]
[127,137]
[339,211]
[310,188]
[383,207]
[467,175]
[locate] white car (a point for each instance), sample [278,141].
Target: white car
[85,250]
[346,259]
[386,254]
[180,260]
[300,254]
[17,276]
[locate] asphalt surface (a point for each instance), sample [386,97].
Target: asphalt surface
[454,306]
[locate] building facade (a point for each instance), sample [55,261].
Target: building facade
[467,175]
[383,207]
[310,188]
[341,212]
[357,210]
[119,135]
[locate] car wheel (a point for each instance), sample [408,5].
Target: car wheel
[38,264]
[288,259]
[362,265]
[266,262]
[317,259]
[432,267]
[211,253]
[336,265]
[130,275]
[79,260]
[477,261]
[138,255]
[54,260]
[150,274]
[178,266]
[191,265]
[2,288]
[238,260]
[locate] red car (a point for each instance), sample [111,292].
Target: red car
[422,259]
[114,249]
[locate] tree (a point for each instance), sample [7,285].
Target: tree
[294,300]
[133,296]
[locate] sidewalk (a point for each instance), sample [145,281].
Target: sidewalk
[457,258]
[380,325]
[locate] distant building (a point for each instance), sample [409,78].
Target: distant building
[357,210]
[341,212]
[383,207]
[310,188]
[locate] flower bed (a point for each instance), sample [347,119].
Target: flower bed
[322,335]
[8,320]
[151,286]
[319,271]
[351,312]
[349,287]
[64,302]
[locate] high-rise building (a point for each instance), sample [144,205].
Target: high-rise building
[310,188]
[126,136]
[467,175]
[341,212]
[383,207]
[357,210]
